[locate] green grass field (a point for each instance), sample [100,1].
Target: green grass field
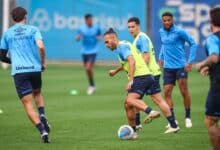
[84,122]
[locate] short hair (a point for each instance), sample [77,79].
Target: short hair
[110,31]
[167,14]
[87,16]
[215,16]
[134,19]
[18,14]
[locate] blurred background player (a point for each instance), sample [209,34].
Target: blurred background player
[211,66]
[173,59]
[144,45]
[90,34]
[140,81]
[26,48]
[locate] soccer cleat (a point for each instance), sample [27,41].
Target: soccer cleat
[188,123]
[138,127]
[172,130]
[91,90]
[45,123]
[134,136]
[153,114]
[45,137]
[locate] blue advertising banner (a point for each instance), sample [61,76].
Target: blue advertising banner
[192,15]
[58,21]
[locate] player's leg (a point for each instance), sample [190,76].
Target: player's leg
[130,113]
[211,124]
[138,89]
[89,61]
[182,83]
[24,90]
[169,79]
[36,82]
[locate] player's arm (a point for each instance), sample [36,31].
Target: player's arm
[4,50]
[193,47]
[3,56]
[115,71]
[131,71]
[78,35]
[40,45]
[99,34]
[210,60]
[213,52]
[143,43]
[161,59]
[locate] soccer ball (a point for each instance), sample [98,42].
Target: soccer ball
[125,132]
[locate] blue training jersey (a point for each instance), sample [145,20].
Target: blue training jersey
[89,38]
[213,45]
[172,51]
[20,40]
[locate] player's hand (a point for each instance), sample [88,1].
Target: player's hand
[43,67]
[111,73]
[204,71]
[188,67]
[198,67]
[129,85]
[161,63]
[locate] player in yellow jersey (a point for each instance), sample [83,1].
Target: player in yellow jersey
[144,45]
[140,81]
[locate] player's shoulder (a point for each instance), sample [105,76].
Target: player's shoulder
[213,38]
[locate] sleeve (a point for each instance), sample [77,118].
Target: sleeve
[125,52]
[78,32]
[161,53]
[37,34]
[143,44]
[193,47]
[4,43]
[212,46]
[99,31]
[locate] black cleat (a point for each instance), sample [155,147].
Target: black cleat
[45,123]
[45,137]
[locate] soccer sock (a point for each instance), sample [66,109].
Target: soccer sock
[41,110]
[172,112]
[134,128]
[172,122]
[148,110]
[137,119]
[187,112]
[91,82]
[40,128]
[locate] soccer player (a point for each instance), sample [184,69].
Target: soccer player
[176,67]
[211,66]
[140,81]
[90,34]
[27,56]
[144,45]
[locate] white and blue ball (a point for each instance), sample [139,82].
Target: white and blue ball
[125,132]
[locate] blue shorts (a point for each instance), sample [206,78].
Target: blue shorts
[213,103]
[171,75]
[156,86]
[25,83]
[142,84]
[89,58]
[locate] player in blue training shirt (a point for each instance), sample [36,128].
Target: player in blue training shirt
[211,66]
[89,34]
[172,58]
[27,57]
